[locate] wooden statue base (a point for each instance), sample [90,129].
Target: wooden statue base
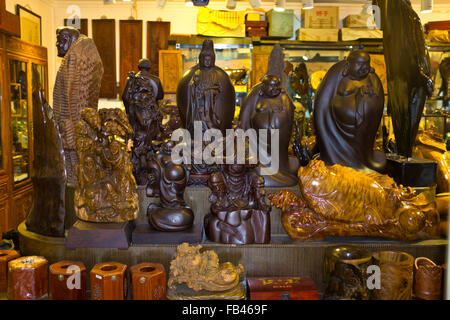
[145,234]
[182,292]
[99,235]
[198,180]
[412,172]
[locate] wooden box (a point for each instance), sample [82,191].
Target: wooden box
[108,281]
[148,281]
[5,257]
[256,28]
[437,25]
[321,17]
[281,24]
[349,34]
[282,288]
[318,34]
[67,281]
[358,20]
[27,278]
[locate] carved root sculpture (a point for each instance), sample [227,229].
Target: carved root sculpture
[340,201]
[201,270]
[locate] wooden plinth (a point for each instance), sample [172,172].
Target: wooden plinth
[148,281]
[99,235]
[146,234]
[282,288]
[108,281]
[67,280]
[5,257]
[27,278]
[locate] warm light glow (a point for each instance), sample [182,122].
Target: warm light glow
[189,3]
[278,9]
[279,5]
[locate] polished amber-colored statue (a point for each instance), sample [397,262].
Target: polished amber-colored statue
[106,190]
[140,98]
[206,95]
[201,270]
[77,86]
[340,201]
[268,106]
[168,181]
[347,113]
[239,214]
[431,145]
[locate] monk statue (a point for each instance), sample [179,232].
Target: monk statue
[239,214]
[347,113]
[168,181]
[268,106]
[206,95]
[141,96]
[77,86]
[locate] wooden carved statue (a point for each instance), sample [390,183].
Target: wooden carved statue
[268,107]
[341,201]
[347,112]
[168,181]
[201,270]
[239,214]
[431,145]
[408,69]
[106,190]
[206,95]
[141,95]
[77,86]
[427,279]
[170,120]
[444,70]
[49,174]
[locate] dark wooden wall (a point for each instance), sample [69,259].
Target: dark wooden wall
[158,33]
[104,36]
[83,25]
[130,48]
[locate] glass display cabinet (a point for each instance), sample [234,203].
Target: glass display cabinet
[17,59]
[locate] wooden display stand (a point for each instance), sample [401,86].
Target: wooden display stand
[282,288]
[5,257]
[108,281]
[148,281]
[27,278]
[68,280]
[146,234]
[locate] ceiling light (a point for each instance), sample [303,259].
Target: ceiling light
[189,3]
[426,6]
[308,4]
[279,5]
[255,3]
[161,3]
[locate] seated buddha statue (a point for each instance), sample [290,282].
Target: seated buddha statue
[347,113]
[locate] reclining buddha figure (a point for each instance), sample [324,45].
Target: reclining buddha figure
[341,201]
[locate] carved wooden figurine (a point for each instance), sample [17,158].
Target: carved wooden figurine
[268,107]
[206,95]
[347,113]
[106,190]
[5,257]
[108,281]
[396,275]
[49,173]
[148,281]
[77,86]
[427,279]
[168,181]
[141,97]
[341,201]
[201,270]
[239,214]
[67,281]
[27,278]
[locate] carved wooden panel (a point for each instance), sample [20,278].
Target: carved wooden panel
[21,206]
[104,36]
[130,48]
[4,204]
[17,46]
[158,33]
[259,66]
[83,25]
[170,69]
